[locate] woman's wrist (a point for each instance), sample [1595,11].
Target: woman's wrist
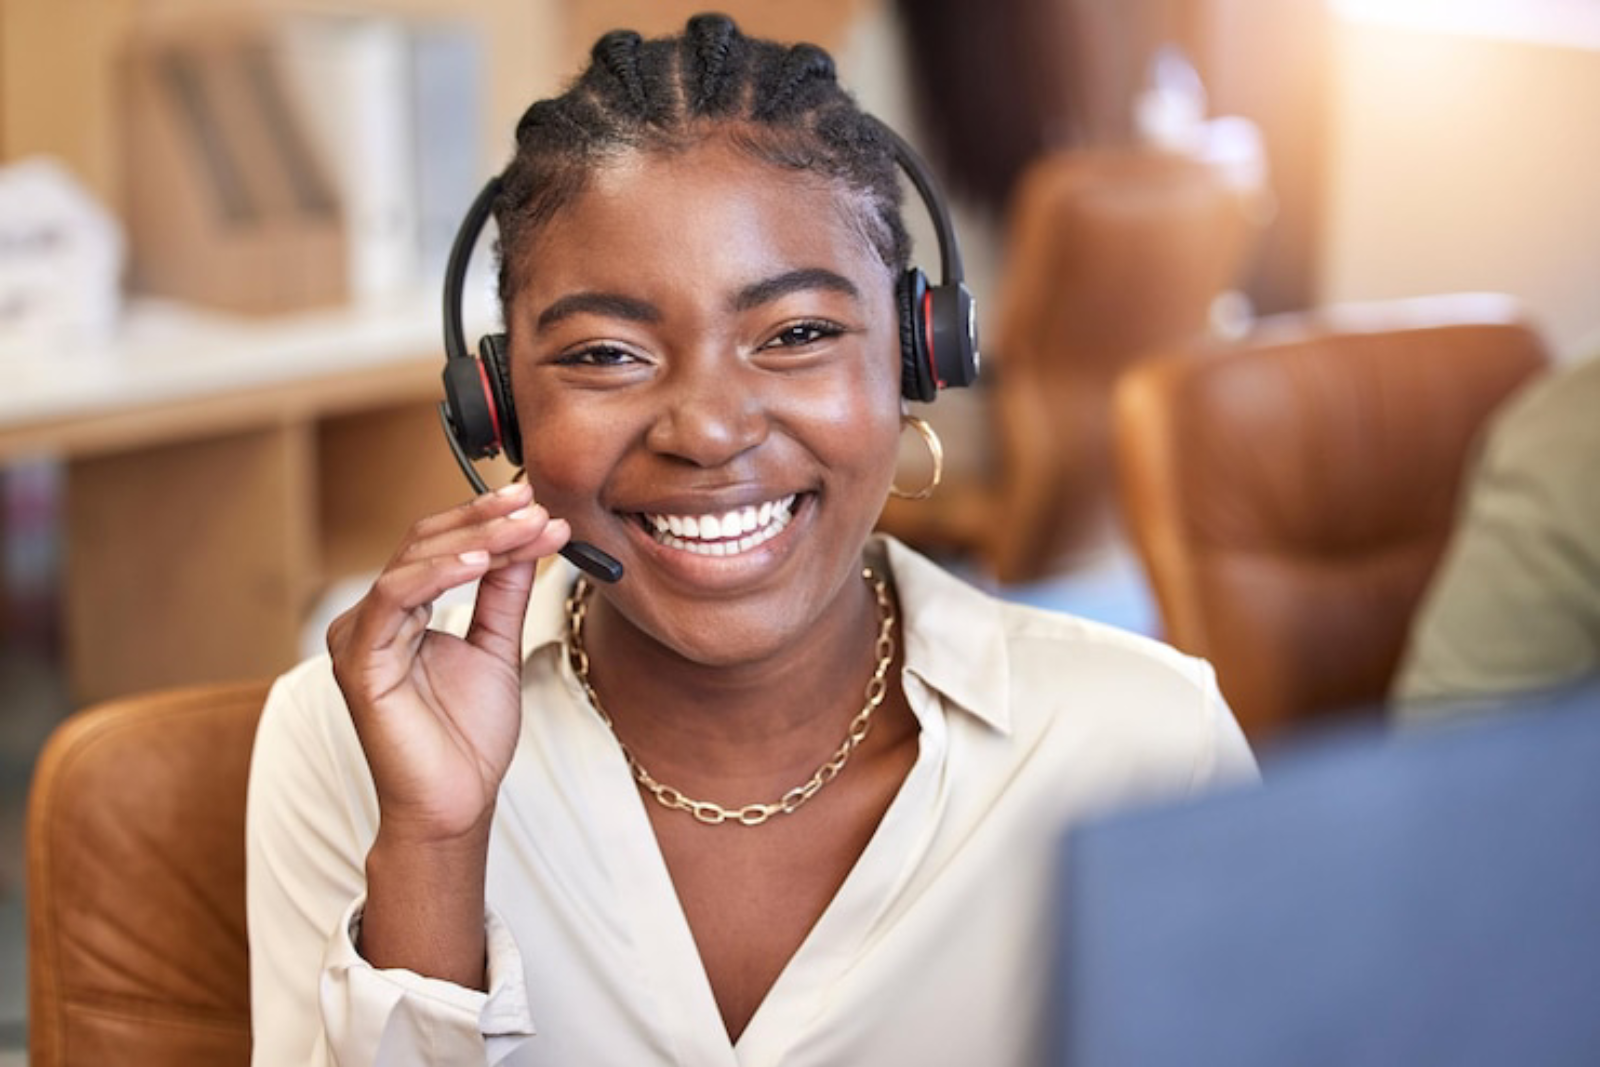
[425,907]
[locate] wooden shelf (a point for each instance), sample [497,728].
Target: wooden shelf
[173,371]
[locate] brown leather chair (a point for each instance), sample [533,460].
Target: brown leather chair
[1291,495]
[1111,255]
[136,907]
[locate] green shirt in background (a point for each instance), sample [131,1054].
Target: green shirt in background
[1515,605]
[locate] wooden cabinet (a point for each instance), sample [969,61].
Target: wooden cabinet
[220,474]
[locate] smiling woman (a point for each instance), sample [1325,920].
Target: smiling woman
[457,852]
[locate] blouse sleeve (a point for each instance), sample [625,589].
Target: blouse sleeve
[311,818]
[1223,756]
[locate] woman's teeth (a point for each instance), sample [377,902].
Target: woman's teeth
[727,534]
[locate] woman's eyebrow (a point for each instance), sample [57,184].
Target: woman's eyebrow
[769,289]
[609,305]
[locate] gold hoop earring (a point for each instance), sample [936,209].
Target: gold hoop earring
[935,451]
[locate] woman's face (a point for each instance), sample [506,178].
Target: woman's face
[705,365]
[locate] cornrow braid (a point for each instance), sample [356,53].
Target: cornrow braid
[711,39]
[782,104]
[617,54]
[796,83]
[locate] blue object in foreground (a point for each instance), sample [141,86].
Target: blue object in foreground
[1431,898]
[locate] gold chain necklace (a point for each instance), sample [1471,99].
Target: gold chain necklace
[751,814]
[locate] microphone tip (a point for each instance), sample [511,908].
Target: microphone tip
[592,561]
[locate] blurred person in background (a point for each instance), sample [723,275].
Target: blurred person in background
[1514,608]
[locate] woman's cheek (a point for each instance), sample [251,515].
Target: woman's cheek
[565,458]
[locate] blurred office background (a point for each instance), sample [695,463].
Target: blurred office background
[227,419]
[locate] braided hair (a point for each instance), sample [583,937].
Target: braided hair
[781,104]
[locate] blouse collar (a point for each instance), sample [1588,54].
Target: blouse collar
[954,634]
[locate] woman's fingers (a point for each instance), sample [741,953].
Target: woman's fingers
[501,501]
[404,592]
[503,594]
[438,715]
[505,532]
[449,550]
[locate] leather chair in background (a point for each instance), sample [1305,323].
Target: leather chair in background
[137,949]
[1110,255]
[1290,495]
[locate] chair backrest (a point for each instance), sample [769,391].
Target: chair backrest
[1112,255]
[1291,495]
[137,947]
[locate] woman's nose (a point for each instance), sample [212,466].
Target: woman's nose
[710,415]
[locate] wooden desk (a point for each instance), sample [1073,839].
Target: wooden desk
[219,473]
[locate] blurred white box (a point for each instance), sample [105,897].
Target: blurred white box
[61,261]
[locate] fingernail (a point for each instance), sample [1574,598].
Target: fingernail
[521,513]
[474,557]
[511,489]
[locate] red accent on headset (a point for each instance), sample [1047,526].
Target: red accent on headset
[927,334]
[494,409]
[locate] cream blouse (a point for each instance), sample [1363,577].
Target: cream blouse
[936,949]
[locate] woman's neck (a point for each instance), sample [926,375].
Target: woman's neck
[769,715]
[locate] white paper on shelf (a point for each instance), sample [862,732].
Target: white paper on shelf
[61,261]
[350,76]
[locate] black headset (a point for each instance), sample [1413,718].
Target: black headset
[938,344]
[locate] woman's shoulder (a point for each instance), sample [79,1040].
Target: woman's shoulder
[1026,641]
[1063,694]
[1045,636]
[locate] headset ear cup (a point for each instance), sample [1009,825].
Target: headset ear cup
[952,325]
[492,351]
[916,372]
[469,408]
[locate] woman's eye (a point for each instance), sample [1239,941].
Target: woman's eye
[804,333]
[597,356]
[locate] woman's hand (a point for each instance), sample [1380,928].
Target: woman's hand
[438,715]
